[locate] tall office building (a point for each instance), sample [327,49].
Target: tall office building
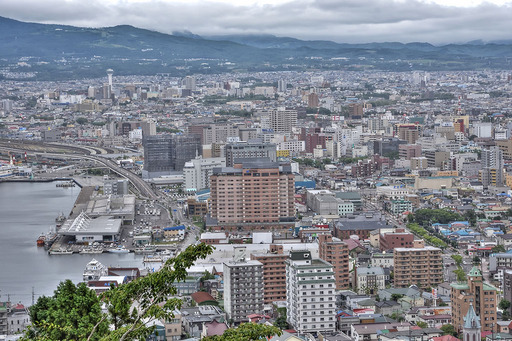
[492,157]
[310,294]
[355,110]
[313,100]
[421,266]
[281,85]
[492,167]
[283,120]
[256,191]
[474,294]
[164,154]
[243,289]
[189,83]
[335,252]
[408,132]
[148,127]
[249,150]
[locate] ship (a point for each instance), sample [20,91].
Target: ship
[90,250]
[41,240]
[60,252]
[94,270]
[146,249]
[61,218]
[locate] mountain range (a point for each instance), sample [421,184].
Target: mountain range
[78,51]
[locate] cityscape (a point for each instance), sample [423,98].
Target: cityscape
[332,195]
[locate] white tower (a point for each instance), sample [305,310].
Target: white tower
[110,72]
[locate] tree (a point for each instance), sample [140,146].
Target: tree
[81,120]
[72,313]
[461,275]
[498,249]
[246,332]
[448,329]
[457,259]
[396,297]
[397,316]
[281,322]
[504,305]
[476,260]
[422,324]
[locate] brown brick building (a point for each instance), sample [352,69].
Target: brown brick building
[254,192]
[399,238]
[476,292]
[274,273]
[421,266]
[336,253]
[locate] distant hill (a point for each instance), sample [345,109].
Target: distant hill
[67,51]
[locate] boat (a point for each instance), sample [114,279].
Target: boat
[94,270]
[90,250]
[41,240]
[119,249]
[50,238]
[153,259]
[60,252]
[146,249]
[61,218]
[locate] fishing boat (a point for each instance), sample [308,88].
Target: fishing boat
[61,252]
[119,249]
[90,250]
[146,249]
[41,240]
[61,218]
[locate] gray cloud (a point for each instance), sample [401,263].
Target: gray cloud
[338,20]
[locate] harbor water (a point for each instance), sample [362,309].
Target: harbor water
[26,211]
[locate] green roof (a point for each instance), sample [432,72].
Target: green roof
[475,272]
[459,286]
[487,286]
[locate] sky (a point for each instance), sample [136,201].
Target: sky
[351,21]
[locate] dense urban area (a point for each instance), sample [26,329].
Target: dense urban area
[340,205]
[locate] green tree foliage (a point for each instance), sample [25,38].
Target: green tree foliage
[457,259]
[247,332]
[426,216]
[422,324]
[461,274]
[70,314]
[498,249]
[74,312]
[504,305]
[396,297]
[448,329]
[476,260]
[81,120]
[427,236]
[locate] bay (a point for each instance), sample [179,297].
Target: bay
[26,211]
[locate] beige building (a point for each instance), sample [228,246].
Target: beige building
[253,192]
[421,266]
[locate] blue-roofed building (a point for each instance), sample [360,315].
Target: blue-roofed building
[175,232]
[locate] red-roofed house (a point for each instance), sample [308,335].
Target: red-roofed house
[204,298]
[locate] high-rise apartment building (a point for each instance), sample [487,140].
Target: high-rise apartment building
[478,294]
[421,266]
[492,157]
[164,154]
[283,120]
[253,192]
[249,150]
[492,167]
[274,273]
[335,252]
[197,172]
[355,110]
[408,132]
[243,289]
[310,294]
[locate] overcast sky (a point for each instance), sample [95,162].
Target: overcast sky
[435,21]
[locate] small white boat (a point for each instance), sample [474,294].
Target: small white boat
[119,249]
[60,252]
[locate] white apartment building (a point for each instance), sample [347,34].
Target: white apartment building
[196,172]
[310,294]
